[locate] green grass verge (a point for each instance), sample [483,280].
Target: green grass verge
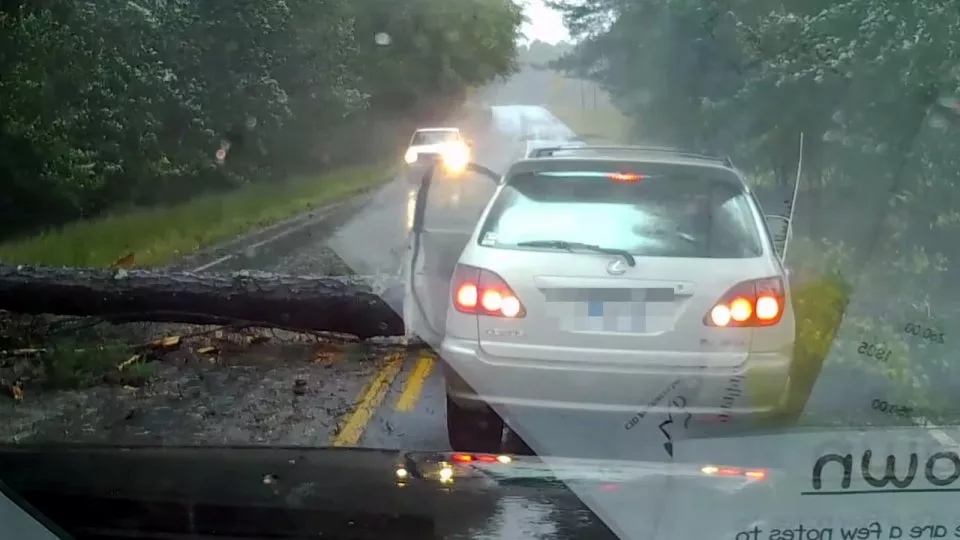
[818,308]
[156,236]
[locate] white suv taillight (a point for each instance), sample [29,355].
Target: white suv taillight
[758,302]
[482,292]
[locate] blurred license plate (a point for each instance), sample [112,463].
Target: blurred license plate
[604,316]
[612,310]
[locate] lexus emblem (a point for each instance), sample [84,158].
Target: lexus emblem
[616,267]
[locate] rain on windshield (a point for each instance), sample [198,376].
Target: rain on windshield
[217,230]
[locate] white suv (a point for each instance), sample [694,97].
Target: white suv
[599,274]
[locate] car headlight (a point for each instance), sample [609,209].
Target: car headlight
[410,156]
[455,158]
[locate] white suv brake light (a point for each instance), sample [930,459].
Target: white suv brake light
[482,292]
[758,302]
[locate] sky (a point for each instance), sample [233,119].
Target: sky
[545,24]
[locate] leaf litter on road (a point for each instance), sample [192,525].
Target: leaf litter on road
[207,386]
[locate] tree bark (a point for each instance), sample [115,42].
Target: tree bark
[364,306]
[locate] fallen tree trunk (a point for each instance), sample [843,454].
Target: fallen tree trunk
[364,306]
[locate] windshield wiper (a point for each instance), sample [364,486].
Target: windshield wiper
[571,246]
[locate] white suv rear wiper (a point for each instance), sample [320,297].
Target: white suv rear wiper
[571,246]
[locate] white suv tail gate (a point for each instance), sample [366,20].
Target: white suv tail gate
[573,262]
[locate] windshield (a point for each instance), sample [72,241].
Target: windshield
[434,137]
[659,216]
[225,224]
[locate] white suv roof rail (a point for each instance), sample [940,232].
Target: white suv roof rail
[551,152]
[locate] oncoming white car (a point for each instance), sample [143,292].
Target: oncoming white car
[596,275]
[445,145]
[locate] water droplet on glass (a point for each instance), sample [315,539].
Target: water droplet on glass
[938,121]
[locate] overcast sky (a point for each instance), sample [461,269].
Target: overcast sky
[545,24]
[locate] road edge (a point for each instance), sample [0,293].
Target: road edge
[209,257]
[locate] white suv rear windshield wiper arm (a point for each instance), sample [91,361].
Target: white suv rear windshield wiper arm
[571,246]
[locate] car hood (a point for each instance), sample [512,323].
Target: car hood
[298,492]
[278,491]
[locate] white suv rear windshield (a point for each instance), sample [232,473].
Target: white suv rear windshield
[434,137]
[695,215]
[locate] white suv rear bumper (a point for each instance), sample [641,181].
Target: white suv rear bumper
[473,380]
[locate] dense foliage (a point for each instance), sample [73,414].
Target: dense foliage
[115,103]
[872,85]
[538,54]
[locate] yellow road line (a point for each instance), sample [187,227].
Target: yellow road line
[414,386]
[369,401]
